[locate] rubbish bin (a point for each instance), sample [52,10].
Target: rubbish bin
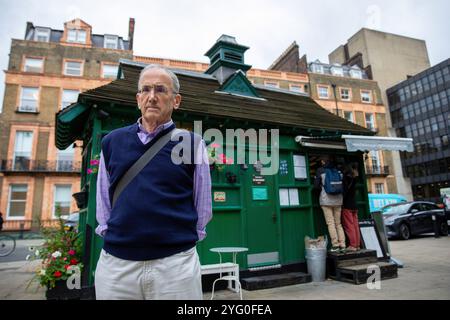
[316,263]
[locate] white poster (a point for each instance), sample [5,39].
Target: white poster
[293,197]
[371,240]
[284,197]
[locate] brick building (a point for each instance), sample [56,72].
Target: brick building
[348,92]
[46,72]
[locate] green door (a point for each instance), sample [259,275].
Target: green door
[262,219]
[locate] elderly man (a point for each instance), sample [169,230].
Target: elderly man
[152,225]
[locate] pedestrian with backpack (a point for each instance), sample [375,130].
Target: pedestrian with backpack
[329,181]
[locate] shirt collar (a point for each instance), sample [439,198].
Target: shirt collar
[158,128]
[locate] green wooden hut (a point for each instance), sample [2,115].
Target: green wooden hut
[269,214]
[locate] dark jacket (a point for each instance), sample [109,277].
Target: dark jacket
[349,186]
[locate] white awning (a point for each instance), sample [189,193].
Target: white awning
[366,143]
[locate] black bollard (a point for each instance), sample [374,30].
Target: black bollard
[22,225]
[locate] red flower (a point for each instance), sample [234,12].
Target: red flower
[72,252]
[67,266]
[215,145]
[73,261]
[57,274]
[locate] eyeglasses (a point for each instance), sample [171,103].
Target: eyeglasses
[159,89]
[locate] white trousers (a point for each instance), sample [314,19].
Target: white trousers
[177,277]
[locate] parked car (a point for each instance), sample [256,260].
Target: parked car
[402,220]
[71,222]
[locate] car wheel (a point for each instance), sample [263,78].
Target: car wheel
[404,232]
[443,229]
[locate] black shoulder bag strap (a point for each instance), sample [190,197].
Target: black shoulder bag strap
[143,161]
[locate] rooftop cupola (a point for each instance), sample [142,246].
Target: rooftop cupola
[226,57]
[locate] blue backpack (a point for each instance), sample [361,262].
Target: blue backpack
[333,181]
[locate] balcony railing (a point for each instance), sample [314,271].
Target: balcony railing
[26,165]
[377,170]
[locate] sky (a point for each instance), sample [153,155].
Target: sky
[185,30]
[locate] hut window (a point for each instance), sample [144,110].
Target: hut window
[300,167]
[289,197]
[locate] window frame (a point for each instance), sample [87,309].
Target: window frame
[24,64]
[54,198]
[103,70]
[276,84]
[62,97]
[66,61]
[370,96]
[301,88]
[349,94]
[323,86]
[8,209]
[77,32]
[41,30]
[105,42]
[19,105]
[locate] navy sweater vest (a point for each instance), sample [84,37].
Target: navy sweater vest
[154,216]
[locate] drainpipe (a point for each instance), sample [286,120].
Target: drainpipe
[335,98]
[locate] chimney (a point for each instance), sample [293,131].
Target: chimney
[226,57]
[28,28]
[130,33]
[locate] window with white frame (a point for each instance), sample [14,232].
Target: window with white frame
[370,123]
[348,115]
[317,68]
[111,42]
[17,201]
[323,92]
[76,35]
[337,71]
[110,71]
[356,73]
[68,97]
[345,94]
[379,188]
[29,98]
[296,88]
[62,196]
[289,197]
[300,167]
[73,68]
[64,159]
[33,65]
[22,150]
[271,84]
[366,96]
[375,159]
[42,34]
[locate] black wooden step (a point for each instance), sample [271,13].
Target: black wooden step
[274,280]
[358,274]
[338,260]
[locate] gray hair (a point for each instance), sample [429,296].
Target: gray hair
[175,82]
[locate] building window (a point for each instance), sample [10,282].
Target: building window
[370,123]
[17,201]
[61,200]
[271,84]
[33,65]
[366,96]
[110,42]
[317,68]
[65,158]
[348,115]
[345,94]
[300,167]
[337,71]
[73,68]
[22,150]
[42,34]
[379,188]
[29,99]
[76,35]
[68,97]
[356,73]
[323,92]
[110,71]
[296,88]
